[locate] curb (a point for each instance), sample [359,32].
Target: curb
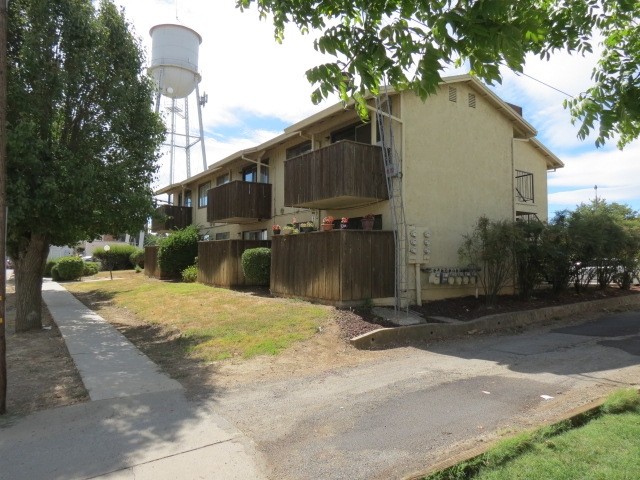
[388,337]
[577,416]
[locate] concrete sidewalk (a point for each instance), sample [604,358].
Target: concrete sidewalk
[138,423]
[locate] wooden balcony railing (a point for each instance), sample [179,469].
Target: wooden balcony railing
[239,202]
[340,267]
[345,174]
[171,217]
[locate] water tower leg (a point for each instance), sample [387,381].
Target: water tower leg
[204,153]
[187,136]
[172,150]
[158,102]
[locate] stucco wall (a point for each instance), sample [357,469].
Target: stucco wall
[529,159]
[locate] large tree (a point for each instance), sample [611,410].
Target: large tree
[411,42]
[82,134]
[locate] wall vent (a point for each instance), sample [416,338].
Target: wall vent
[453,94]
[472,100]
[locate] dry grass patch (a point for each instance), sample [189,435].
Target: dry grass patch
[214,323]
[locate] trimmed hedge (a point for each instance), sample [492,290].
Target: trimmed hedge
[137,258]
[90,268]
[68,268]
[256,265]
[48,267]
[118,257]
[178,251]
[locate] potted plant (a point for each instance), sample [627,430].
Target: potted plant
[367,221]
[307,227]
[327,223]
[344,223]
[288,229]
[275,229]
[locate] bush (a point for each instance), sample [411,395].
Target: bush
[256,265]
[90,268]
[49,266]
[137,258]
[190,274]
[68,268]
[178,251]
[117,258]
[55,276]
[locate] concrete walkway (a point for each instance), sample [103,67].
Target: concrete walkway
[138,423]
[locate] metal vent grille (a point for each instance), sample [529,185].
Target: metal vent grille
[453,94]
[472,100]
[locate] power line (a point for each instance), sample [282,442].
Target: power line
[545,84]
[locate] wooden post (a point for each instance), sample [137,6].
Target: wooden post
[3,203]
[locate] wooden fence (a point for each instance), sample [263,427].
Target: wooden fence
[340,267]
[219,261]
[151,268]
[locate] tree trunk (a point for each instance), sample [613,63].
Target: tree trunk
[29,267]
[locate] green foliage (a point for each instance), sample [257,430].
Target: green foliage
[90,268]
[55,275]
[625,400]
[557,258]
[178,251]
[256,265]
[138,269]
[117,258]
[82,133]
[528,256]
[136,259]
[190,274]
[49,266]
[490,246]
[409,44]
[69,268]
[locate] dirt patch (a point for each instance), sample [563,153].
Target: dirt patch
[40,371]
[470,308]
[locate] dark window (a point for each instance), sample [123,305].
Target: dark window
[298,149]
[202,194]
[222,179]
[356,224]
[358,132]
[222,236]
[524,186]
[186,201]
[255,235]
[250,173]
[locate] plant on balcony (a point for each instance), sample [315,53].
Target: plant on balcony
[367,221]
[275,229]
[344,223]
[307,227]
[288,228]
[327,223]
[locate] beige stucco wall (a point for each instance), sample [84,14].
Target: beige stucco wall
[529,159]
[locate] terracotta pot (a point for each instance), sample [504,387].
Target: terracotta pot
[326,227]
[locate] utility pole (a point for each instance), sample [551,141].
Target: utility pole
[3,203]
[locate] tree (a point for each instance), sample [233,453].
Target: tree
[411,42]
[82,134]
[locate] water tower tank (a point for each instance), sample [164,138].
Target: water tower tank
[174,59]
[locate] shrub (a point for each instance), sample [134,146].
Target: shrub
[55,276]
[178,251]
[137,258]
[117,258]
[90,268]
[190,274]
[47,268]
[256,265]
[69,268]
[528,256]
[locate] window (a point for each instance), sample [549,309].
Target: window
[222,179]
[255,235]
[250,173]
[298,149]
[202,194]
[358,132]
[222,236]
[524,186]
[186,201]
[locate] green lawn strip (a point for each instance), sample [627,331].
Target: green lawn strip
[600,444]
[215,323]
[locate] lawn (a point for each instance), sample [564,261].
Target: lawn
[214,323]
[605,447]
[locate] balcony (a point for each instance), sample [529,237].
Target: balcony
[239,202]
[345,174]
[171,217]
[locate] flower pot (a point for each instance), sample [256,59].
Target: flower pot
[276,232]
[326,227]
[367,223]
[344,226]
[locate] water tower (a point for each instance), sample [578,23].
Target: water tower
[174,67]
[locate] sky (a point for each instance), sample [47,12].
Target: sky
[257,87]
